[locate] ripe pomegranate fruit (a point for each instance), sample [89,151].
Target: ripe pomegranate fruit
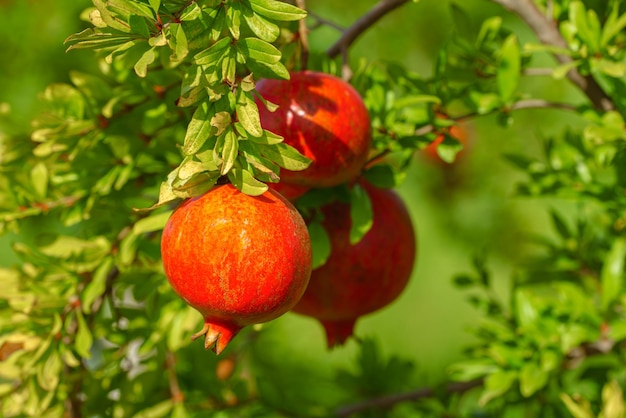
[237,259]
[325,119]
[362,278]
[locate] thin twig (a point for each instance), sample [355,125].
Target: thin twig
[390,400]
[322,21]
[549,34]
[379,10]
[170,365]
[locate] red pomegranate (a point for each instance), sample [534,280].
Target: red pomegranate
[237,259]
[325,119]
[362,278]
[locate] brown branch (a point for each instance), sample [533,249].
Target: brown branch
[549,34]
[379,10]
[170,365]
[387,401]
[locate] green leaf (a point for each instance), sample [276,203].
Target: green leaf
[245,182]
[229,151]
[84,339]
[277,10]
[233,19]
[248,113]
[261,27]
[285,156]
[320,243]
[139,26]
[532,378]
[160,410]
[156,5]
[48,373]
[147,58]
[560,225]
[612,275]
[178,42]
[384,176]
[39,179]
[496,384]
[613,26]
[259,50]
[151,223]
[580,409]
[199,130]
[361,213]
[612,401]
[229,68]
[214,53]
[97,285]
[509,67]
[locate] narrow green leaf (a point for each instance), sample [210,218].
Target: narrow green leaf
[199,130]
[560,225]
[39,179]
[108,17]
[213,54]
[613,26]
[612,275]
[84,339]
[285,156]
[178,42]
[245,182]
[268,138]
[320,243]
[139,26]
[229,151]
[497,384]
[509,67]
[277,10]
[233,19]
[48,373]
[361,213]
[97,285]
[156,5]
[532,378]
[612,401]
[581,409]
[260,26]
[151,223]
[147,58]
[248,113]
[259,50]
[160,410]
[192,12]
[229,68]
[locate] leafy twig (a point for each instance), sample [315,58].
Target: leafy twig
[548,33]
[379,10]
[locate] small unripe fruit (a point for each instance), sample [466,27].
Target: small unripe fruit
[361,278]
[237,259]
[325,119]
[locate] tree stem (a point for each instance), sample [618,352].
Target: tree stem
[379,10]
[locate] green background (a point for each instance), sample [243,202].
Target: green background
[458,210]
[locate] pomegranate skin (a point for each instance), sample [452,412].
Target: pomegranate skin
[362,278]
[237,259]
[325,119]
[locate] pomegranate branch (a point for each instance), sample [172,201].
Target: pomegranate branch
[548,33]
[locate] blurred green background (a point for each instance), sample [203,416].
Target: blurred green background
[458,211]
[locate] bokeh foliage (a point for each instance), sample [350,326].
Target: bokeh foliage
[165,107]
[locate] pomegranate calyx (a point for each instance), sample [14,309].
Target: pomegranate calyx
[337,332]
[216,336]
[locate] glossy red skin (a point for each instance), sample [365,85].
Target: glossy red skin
[362,278]
[237,259]
[325,119]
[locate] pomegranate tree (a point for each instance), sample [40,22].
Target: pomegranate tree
[325,119]
[361,278]
[237,259]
